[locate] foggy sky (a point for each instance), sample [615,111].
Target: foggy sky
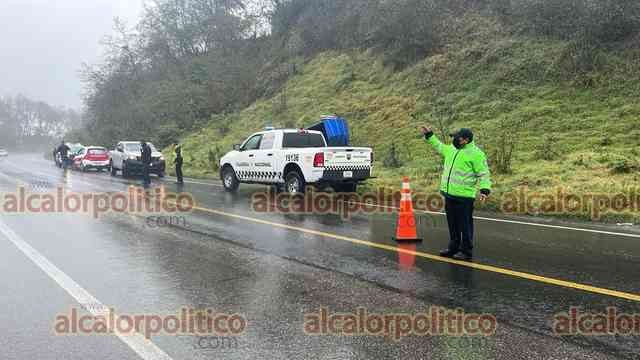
[44,42]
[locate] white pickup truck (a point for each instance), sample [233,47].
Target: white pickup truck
[127,157]
[295,159]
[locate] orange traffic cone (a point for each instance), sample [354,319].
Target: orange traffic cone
[406,230]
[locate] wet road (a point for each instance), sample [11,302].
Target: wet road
[274,268]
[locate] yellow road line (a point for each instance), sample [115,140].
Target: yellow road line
[489,268]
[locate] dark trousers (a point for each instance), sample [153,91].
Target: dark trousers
[460,219]
[179,173]
[145,175]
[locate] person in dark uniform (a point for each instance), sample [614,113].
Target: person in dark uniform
[63,150]
[146,163]
[178,162]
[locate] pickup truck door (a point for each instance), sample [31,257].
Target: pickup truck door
[265,159]
[244,166]
[116,158]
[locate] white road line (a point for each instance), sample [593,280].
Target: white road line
[195,182]
[144,348]
[515,222]
[560,227]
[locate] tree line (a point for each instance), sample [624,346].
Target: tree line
[27,124]
[187,61]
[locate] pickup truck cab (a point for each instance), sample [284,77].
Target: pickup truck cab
[294,159]
[127,157]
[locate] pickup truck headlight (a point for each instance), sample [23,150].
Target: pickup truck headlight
[132,157]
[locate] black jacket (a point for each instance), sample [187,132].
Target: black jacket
[63,150]
[146,154]
[178,158]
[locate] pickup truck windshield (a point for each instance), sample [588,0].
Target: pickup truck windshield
[302,140]
[135,147]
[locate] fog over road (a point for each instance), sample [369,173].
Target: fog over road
[274,268]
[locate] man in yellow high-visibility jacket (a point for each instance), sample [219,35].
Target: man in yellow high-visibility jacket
[465,172]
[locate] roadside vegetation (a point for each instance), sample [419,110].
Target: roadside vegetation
[550,87]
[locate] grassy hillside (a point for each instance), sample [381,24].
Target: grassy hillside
[572,117]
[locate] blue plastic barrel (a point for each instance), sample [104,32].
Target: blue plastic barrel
[335,130]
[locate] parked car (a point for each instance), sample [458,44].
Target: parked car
[91,157]
[292,159]
[3,153]
[127,155]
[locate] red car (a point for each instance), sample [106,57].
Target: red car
[91,157]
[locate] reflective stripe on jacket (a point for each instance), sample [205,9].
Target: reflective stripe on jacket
[465,170]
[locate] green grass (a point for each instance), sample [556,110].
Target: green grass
[591,117]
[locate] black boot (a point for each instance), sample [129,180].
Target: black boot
[448,253]
[464,256]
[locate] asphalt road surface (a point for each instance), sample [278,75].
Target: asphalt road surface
[273,270]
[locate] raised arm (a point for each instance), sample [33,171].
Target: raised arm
[433,140]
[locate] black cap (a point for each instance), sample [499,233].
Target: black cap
[463,133]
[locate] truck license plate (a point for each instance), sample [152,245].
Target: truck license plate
[347,174]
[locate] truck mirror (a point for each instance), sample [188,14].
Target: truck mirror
[236,147]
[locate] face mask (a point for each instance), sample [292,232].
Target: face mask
[457,142]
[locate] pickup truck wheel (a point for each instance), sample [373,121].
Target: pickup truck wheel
[114,171]
[294,183]
[229,179]
[345,188]
[161,174]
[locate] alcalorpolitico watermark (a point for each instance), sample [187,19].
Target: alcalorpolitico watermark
[342,204]
[560,201]
[611,322]
[436,321]
[166,221]
[187,321]
[211,343]
[134,200]
[520,201]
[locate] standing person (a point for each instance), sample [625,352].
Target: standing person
[146,162]
[178,162]
[465,171]
[63,150]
